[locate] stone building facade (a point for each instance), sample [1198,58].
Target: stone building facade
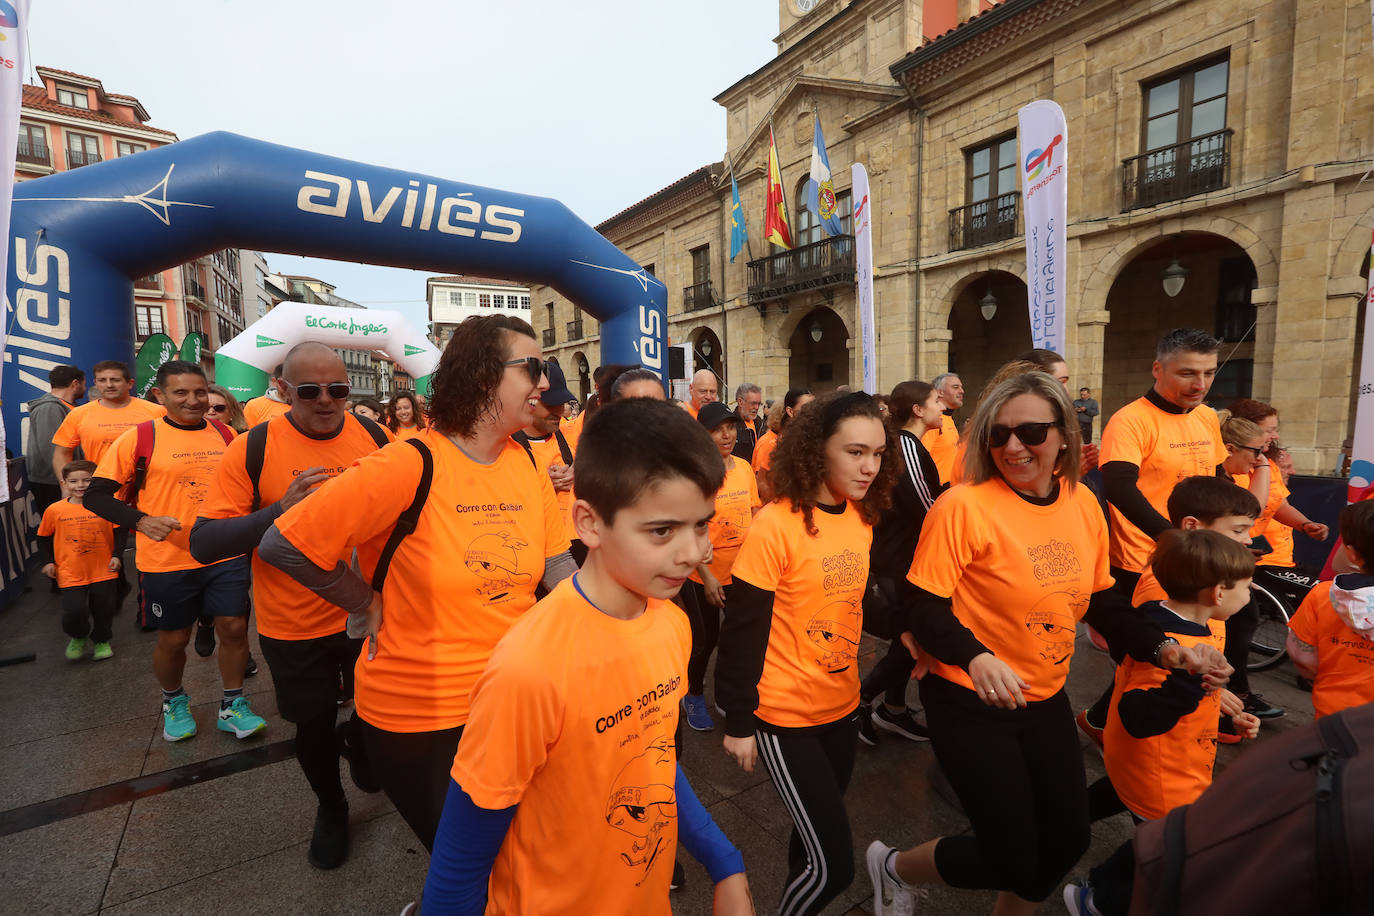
[1216,141]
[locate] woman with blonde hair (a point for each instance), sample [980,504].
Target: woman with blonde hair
[225,408]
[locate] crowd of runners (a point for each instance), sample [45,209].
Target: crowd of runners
[521,604]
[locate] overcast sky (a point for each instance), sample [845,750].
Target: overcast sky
[597,104]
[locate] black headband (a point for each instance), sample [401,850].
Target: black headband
[837,409]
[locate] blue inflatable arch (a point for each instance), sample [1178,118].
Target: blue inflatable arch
[80,238]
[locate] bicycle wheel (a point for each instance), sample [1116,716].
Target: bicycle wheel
[1269,645]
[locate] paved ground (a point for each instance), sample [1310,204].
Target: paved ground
[99,815]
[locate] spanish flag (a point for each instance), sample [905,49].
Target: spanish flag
[776,226]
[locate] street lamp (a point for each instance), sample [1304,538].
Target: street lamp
[817,332]
[1173,277]
[988,305]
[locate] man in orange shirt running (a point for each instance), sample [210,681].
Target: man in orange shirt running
[943,443]
[704,389]
[266,406]
[550,447]
[169,486]
[303,636]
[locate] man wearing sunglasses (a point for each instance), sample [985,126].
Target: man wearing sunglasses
[1147,447]
[303,636]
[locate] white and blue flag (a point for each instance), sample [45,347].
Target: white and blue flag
[820,189]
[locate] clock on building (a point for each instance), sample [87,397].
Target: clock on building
[806,6]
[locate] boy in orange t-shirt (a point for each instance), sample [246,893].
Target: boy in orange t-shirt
[78,550]
[1331,637]
[566,796]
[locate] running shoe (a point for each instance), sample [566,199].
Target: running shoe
[329,841]
[900,723]
[679,877]
[867,733]
[1261,708]
[698,719]
[1078,899]
[205,637]
[238,717]
[177,722]
[1092,731]
[75,649]
[102,652]
[891,897]
[251,668]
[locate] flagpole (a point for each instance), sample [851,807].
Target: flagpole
[730,164]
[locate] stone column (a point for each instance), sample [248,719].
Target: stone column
[934,355]
[1086,370]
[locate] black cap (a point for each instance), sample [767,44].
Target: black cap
[715,413]
[558,392]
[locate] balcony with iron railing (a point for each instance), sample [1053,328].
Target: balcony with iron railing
[698,296]
[549,339]
[149,284]
[77,158]
[1174,172]
[829,262]
[192,288]
[33,153]
[574,329]
[984,222]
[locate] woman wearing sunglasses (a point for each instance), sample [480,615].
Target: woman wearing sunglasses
[225,408]
[1006,566]
[489,533]
[403,415]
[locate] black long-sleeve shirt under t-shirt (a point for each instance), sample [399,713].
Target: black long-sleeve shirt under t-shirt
[897,532]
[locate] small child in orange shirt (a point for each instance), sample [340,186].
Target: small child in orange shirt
[1161,735]
[1331,637]
[79,550]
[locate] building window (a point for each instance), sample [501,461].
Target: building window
[263,308]
[1185,106]
[649,269]
[262,278]
[125,148]
[809,228]
[484,300]
[455,298]
[525,303]
[498,301]
[990,196]
[1185,146]
[991,170]
[470,300]
[82,149]
[148,320]
[73,98]
[33,144]
[194,320]
[227,332]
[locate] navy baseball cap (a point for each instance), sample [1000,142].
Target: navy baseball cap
[558,393]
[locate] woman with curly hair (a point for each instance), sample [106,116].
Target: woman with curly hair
[795,400]
[787,675]
[225,408]
[1006,566]
[489,533]
[404,416]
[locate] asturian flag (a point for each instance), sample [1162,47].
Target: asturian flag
[777,227]
[820,190]
[739,235]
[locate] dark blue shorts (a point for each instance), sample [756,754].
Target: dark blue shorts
[173,600]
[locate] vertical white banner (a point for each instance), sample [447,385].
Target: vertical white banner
[14,20]
[863,275]
[1043,136]
[1362,447]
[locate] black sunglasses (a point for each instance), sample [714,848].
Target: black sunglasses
[1250,448]
[1027,433]
[534,365]
[309,391]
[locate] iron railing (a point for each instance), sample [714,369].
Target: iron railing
[574,329]
[829,262]
[549,340]
[77,158]
[151,283]
[192,287]
[33,153]
[984,222]
[1175,172]
[698,296]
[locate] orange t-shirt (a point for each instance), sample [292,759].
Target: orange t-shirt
[82,544]
[1148,588]
[942,443]
[687,406]
[180,470]
[455,585]
[408,432]
[1167,447]
[1020,575]
[572,429]
[261,409]
[1345,659]
[94,427]
[1154,775]
[763,452]
[546,454]
[735,503]
[1279,535]
[284,609]
[811,672]
[573,720]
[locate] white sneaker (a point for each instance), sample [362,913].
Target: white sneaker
[891,897]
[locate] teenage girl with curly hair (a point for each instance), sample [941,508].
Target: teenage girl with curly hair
[787,675]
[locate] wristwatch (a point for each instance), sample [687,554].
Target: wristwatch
[1159,649]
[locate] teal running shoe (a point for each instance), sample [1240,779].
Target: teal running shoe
[177,723]
[75,649]
[240,719]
